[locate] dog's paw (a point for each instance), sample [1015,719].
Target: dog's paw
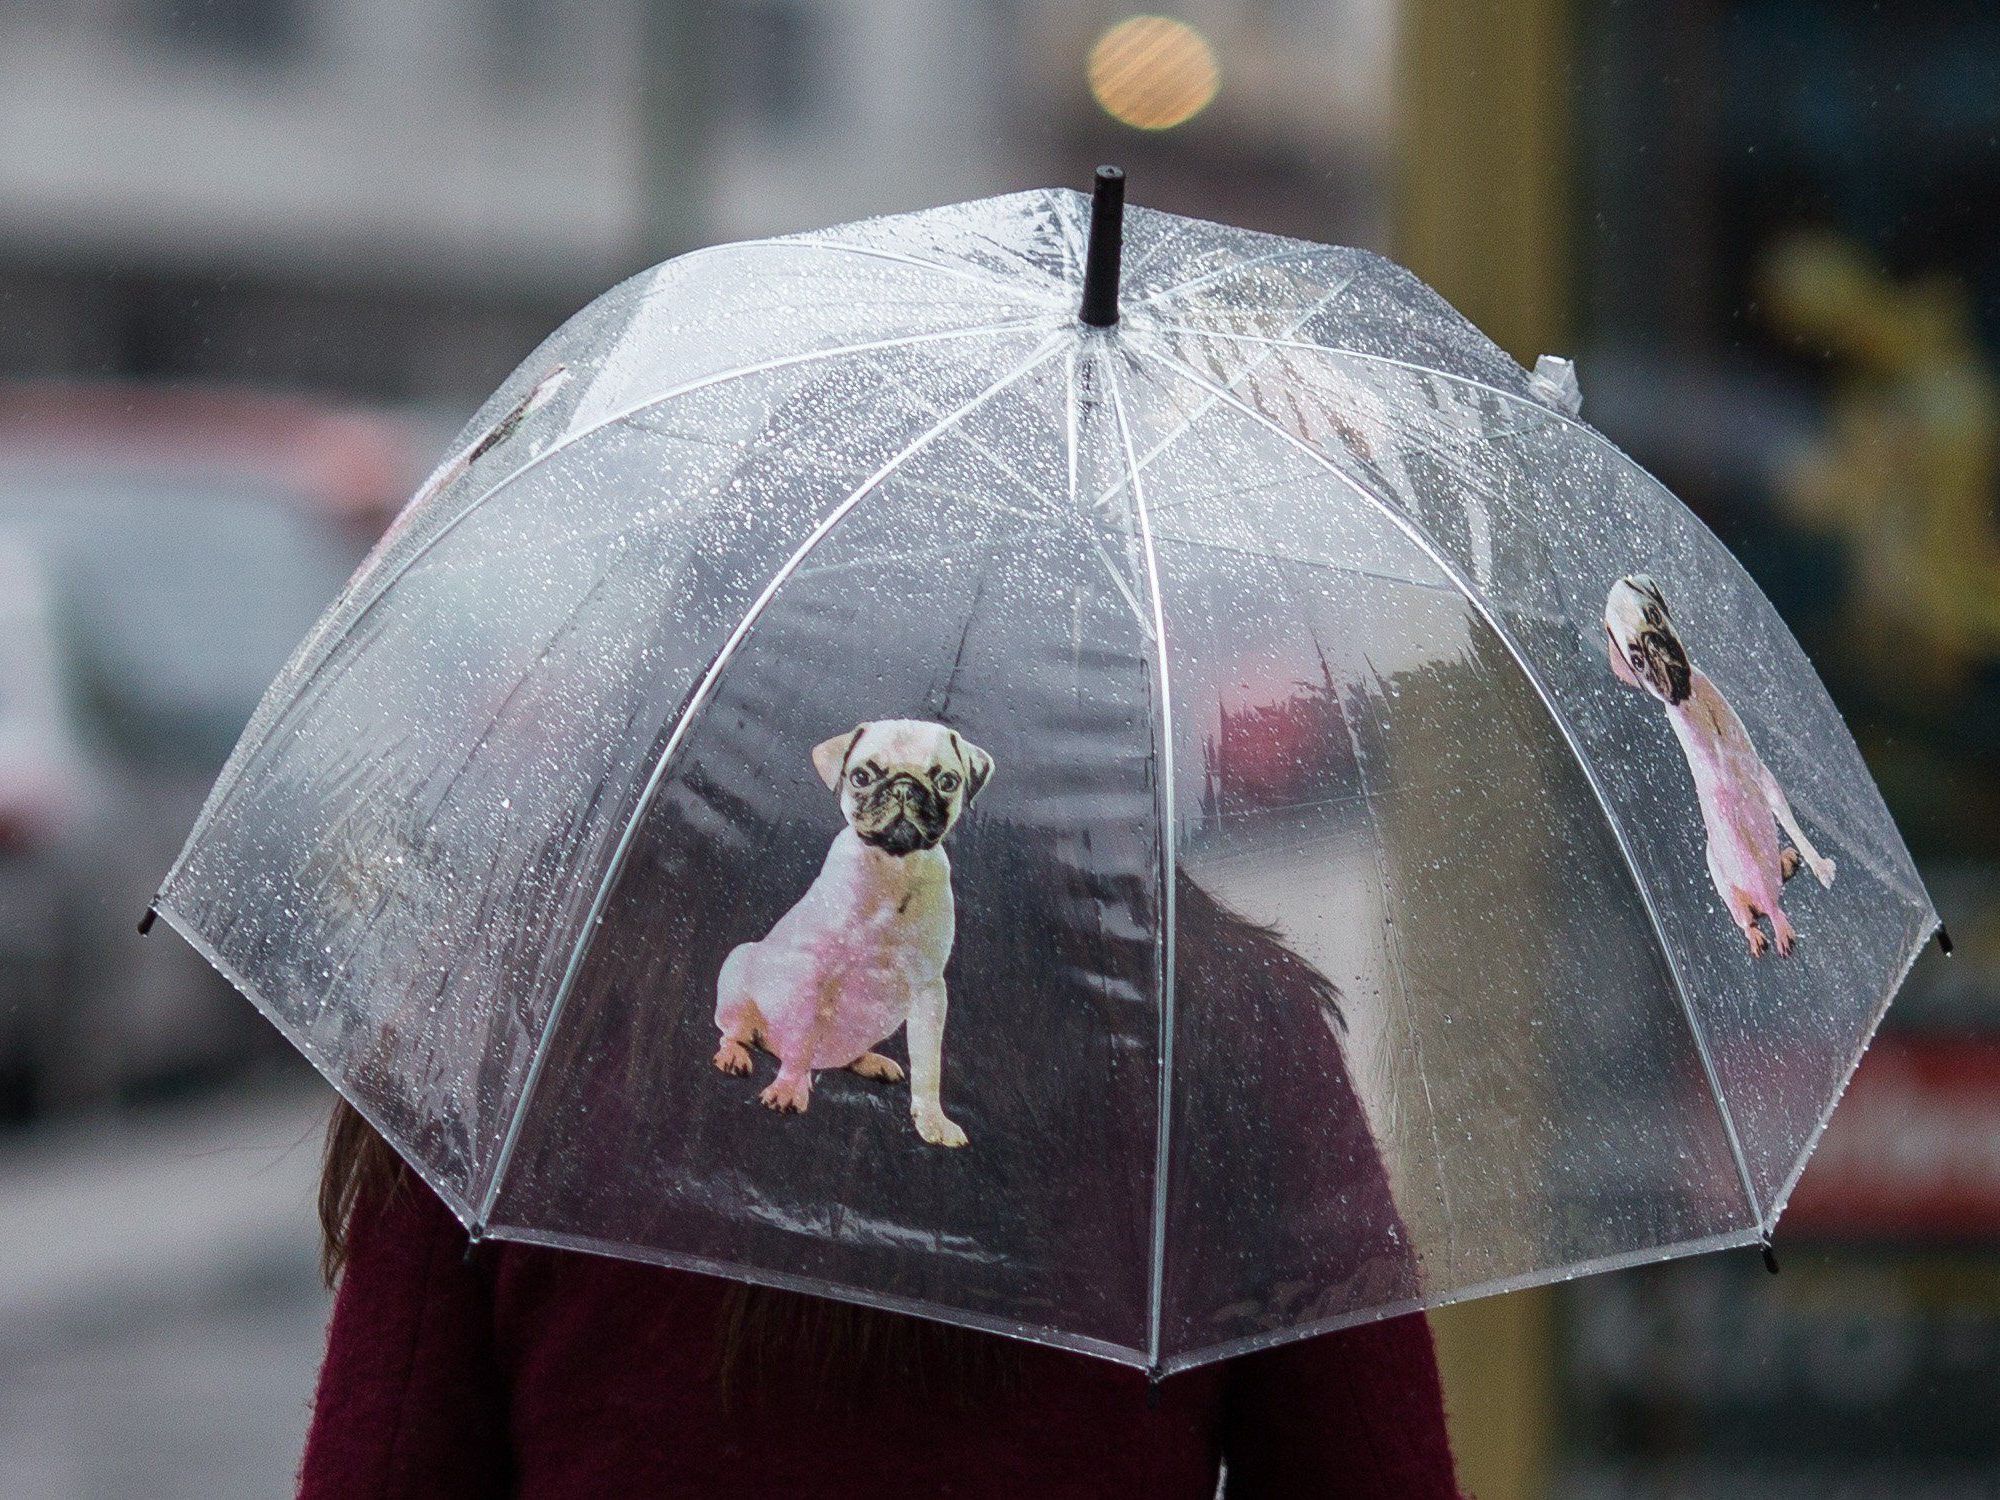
[732,1057]
[786,1095]
[1788,862]
[1823,869]
[934,1126]
[1759,944]
[874,1065]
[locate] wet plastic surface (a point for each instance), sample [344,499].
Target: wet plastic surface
[1337,933]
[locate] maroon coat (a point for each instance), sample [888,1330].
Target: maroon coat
[543,1373]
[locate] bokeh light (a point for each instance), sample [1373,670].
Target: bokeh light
[1153,72]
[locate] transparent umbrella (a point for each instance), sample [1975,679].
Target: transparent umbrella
[1157,831]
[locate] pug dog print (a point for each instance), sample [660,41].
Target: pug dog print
[864,949]
[1739,796]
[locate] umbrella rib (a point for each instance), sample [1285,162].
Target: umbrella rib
[1072,245]
[1172,235]
[1293,559]
[688,388]
[1473,597]
[1052,297]
[1305,347]
[1070,423]
[1163,782]
[1319,305]
[1597,439]
[696,702]
[1234,269]
[1068,515]
[226,785]
[1070,404]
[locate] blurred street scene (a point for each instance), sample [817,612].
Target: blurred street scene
[160,1317]
[259,259]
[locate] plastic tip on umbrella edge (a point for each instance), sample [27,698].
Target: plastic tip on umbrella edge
[1099,307]
[1944,940]
[146,922]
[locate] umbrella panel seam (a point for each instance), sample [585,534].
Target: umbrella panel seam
[1727,1239]
[1168,834]
[1046,1334]
[300,1036]
[696,703]
[1320,304]
[1927,927]
[1418,536]
[1239,269]
[239,761]
[1053,297]
[1897,880]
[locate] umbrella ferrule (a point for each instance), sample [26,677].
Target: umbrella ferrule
[1107,242]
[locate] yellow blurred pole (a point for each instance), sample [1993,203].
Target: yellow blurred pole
[1482,214]
[1483,162]
[1498,1358]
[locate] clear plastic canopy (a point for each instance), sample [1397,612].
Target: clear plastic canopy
[1381,884]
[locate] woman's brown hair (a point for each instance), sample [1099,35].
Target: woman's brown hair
[356,1166]
[758,1326]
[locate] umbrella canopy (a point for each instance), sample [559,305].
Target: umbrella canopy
[1157,832]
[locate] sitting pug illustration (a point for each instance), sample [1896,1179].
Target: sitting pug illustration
[1738,794]
[863,951]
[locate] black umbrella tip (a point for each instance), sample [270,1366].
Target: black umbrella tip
[1944,940]
[146,922]
[1107,241]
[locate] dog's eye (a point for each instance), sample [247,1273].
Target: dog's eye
[948,782]
[859,776]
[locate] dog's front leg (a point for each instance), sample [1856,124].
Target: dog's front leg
[926,1033]
[1781,809]
[791,1091]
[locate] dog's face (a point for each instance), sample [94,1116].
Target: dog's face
[1646,650]
[902,782]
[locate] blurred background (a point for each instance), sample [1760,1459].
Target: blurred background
[258,259]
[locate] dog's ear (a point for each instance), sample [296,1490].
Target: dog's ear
[978,765]
[830,756]
[1620,668]
[1646,584]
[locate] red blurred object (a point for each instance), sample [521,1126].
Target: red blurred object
[359,464]
[1914,1150]
[35,808]
[162,548]
[1281,743]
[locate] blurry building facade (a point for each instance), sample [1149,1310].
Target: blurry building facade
[1787,292]
[385,199]
[398,201]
